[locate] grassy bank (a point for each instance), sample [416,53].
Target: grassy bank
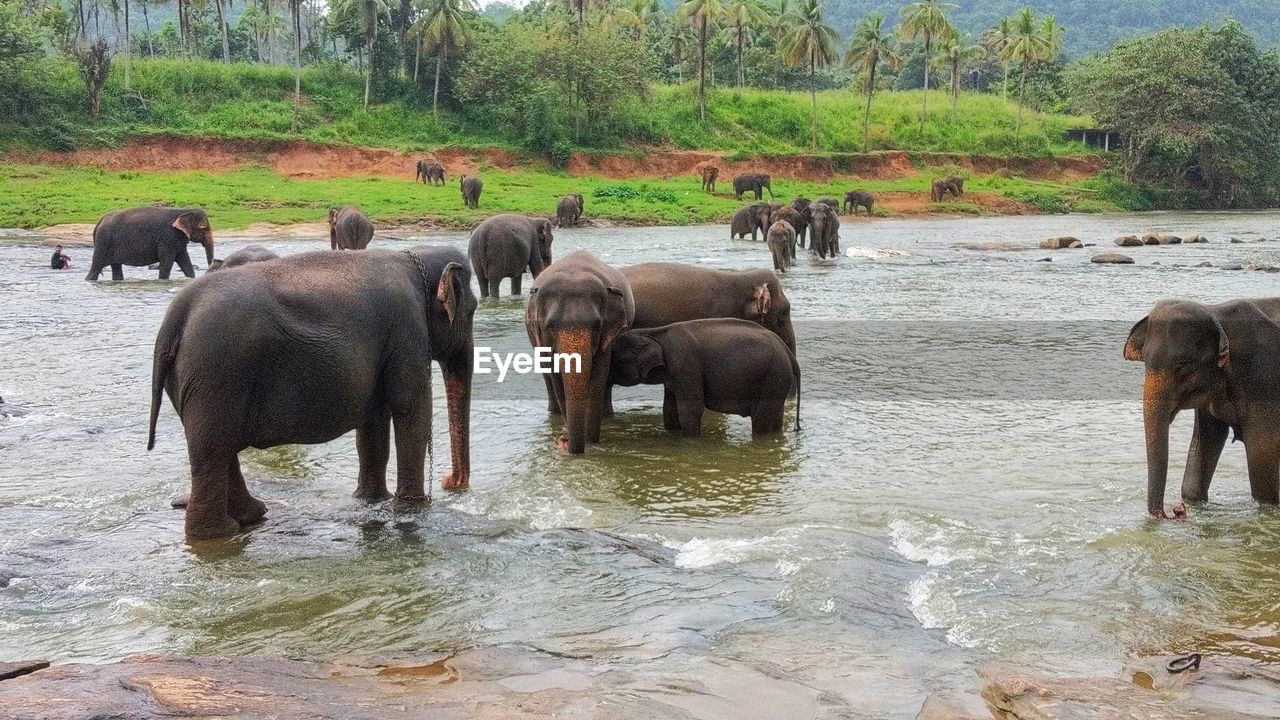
[37,196]
[211,99]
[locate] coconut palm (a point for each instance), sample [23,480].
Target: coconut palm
[811,42]
[367,13]
[1052,34]
[443,30]
[222,7]
[295,17]
[741,16]
[676,41]
[1027,46]
[955,55]
[702,13]
[926,20]
[870,46]
[996,40]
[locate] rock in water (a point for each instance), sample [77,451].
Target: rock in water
[1061,242]
[1128,241]
[1193,239]
[1112,258]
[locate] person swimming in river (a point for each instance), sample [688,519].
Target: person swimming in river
[60,260]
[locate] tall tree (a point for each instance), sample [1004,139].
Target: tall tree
[366,14]
[741,16]
[677,39]
[444,30]
[1027,47]
[703,13]
[956,54]
[295,16]
[811,42]
[93,61]
[996,40]
[925,20]
[222,6]
[870,46]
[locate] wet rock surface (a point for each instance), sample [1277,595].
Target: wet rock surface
[1128,241]
[1111,258]
[1060,243]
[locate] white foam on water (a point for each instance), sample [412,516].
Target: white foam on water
[706,552]
[539,512]
[932,604]
[932,545]
[858,251]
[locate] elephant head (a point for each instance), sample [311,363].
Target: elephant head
[765,183]
[636,358]
[763,213]
[541,252]
[194,224]
[581,203]
[1185,350]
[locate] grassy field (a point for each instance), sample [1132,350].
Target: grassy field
[252,101]
[38,196]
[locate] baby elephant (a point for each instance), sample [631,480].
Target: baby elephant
[243,256]
[569,210]
[471,187]
[782,245]
[855,199]
[730,366]
[349,228]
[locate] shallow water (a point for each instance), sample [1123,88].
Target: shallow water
[968,485]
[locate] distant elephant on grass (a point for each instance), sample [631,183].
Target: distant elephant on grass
[430,172]
[304,349]
[749,219]
[243,256]
[144,235]
[349,228]
[724,365]
[709,175]
[471,186]
[824,227]
[1223,361]
[855,199]
[953,185]
[569,210]
[782,245]
[504,245]
[752,182]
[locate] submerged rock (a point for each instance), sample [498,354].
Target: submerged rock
[1061,242]
[1112,258]
[1161,239]
[1206,263]
[1193,239]
[1128,241]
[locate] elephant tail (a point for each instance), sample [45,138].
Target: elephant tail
[795,371]
[161,365]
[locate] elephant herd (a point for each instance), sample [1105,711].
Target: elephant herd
[786,226]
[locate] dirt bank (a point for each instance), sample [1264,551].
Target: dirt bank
[304,159]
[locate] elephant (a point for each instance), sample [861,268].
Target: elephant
[579,306]
[471,186]
[569,210]
[349,228]
[430,172]
[1223,361]
[752,182]
[825,225]
[940,187]
[243,256]
[749,219]
[782,245]
[710,173]
[725,365]
[855,199]
[831,202]
[795,219]
[141,236]
[504,245]
[302,350]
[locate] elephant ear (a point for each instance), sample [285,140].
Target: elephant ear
[616,321]
[1137,339]
[531,316]
[1224,347]
[649,357]
[761,302]
[449,290]
[179,224]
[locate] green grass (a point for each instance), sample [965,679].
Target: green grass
[37,196]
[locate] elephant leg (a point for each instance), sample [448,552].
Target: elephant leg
[95,269]
[117,271]
[184,264]
[670,412]
[413,435]
[1263,455]
[241,505]
[515,284]
[495,286]
[484,284]
[373,445]
[207,509]
[166,266]
[554,392]
[1207,441]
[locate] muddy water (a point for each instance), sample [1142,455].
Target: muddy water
[968,485]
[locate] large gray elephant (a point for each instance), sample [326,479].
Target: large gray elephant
[504,245]
[569,210]
[579,306]
[305,349]
[243,256]
[730,366]
[1223,361]
[471,186]
[349,228]
[750,219]
[144,235]
[824,228]
[752,182]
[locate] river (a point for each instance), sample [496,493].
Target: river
[968,485]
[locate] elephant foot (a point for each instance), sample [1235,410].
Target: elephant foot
[454,481]
[251,510]
[372,495]
[212,528]
[410,502]
[562,442]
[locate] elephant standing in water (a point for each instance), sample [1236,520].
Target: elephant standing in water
[1223,361]
[305,349]
[504,245]
[243,256]
[569,210]
[579,305]
[729,366]
[349,228]
[471,187]
[750,219]
[824,227]
[144,235]
[782,245]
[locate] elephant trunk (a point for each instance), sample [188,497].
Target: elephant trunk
[1157,415]
[457,388]
[577,386]
[208,250]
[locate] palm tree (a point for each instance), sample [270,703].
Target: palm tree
[676,41]
[740,16]
[956,54]
[1052,33]
[222,28]
[869,46]
[295,15]
[813,42]
[367,14]
[1027,46]
[702,12]
[926,19]
[444,29]
[996,40]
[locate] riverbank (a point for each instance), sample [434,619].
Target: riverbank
[243,182]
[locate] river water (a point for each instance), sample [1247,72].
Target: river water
[968,485]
